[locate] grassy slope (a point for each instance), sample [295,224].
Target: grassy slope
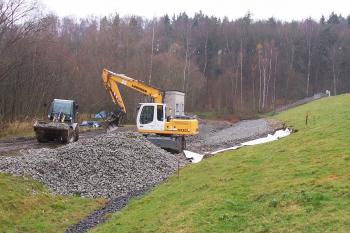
[26,206]
[297,184]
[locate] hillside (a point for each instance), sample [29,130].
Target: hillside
[298,184]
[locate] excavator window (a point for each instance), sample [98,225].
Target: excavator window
[146,116]
[160,113]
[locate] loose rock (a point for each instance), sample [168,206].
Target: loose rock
[108,165]
[216,138]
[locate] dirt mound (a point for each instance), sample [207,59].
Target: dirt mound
[108,165]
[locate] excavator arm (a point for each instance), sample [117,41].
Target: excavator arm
[111,81]
[113,90]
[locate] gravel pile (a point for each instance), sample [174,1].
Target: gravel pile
[220,138]
[108,165]
[242,129]
[207,129]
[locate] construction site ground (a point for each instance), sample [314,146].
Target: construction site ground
[224,133]
[12,146]
[81,167]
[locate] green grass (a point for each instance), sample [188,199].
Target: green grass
[297,184]
[27,206]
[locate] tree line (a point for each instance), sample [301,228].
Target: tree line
[240,66]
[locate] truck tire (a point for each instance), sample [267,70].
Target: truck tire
[66,137]
[76,134]
[71,137]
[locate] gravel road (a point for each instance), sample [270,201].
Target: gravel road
[13,146]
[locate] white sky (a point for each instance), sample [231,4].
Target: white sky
[261,9]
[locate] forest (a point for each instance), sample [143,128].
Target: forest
[230,66]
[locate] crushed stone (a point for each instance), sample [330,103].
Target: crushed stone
[108,165]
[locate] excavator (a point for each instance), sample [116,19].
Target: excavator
[162,121]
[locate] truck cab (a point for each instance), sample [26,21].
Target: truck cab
[63,110]
[62,123]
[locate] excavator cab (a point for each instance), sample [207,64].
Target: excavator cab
[151,117]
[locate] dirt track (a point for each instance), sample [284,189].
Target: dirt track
[13,146]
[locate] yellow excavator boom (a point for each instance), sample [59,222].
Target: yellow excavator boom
[111,81]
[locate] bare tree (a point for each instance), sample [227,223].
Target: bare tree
[152,51]
[309,30]
[335,66]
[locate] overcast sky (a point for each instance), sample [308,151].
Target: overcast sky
[261,9]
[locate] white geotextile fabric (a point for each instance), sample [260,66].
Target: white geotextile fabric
[269,138]
[196,158]
[222,150]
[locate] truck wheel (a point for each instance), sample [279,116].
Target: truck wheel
[64,139]
[72,136]
[76,134]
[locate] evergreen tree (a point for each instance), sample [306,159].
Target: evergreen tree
[333,19]
[322,20]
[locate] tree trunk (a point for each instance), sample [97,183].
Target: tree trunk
[260,73]
[241,72]
[308,69]
[151,63]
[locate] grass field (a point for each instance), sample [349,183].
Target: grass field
[297,184]
[27,206]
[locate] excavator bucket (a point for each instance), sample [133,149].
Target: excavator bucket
[111,127]
[113,121]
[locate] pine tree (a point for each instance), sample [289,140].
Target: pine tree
[322,20]
[333,19]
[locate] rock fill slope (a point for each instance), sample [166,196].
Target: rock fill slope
[108,165]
